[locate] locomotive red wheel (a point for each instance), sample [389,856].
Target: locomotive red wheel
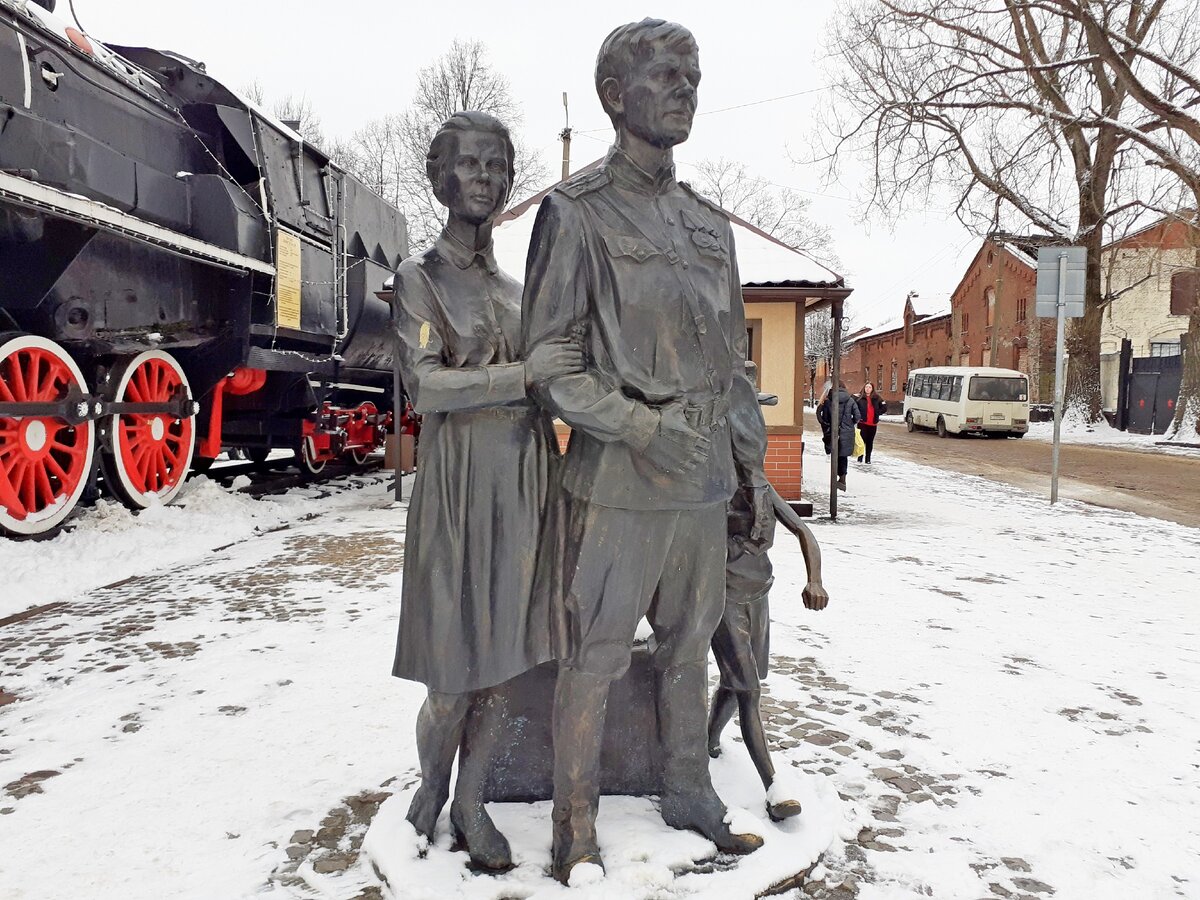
[44,461]
[309,463]
[147,456]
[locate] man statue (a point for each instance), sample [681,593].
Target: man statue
[665,426]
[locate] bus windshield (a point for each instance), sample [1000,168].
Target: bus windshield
[1005,390]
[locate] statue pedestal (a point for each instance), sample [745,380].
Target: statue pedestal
[523,761]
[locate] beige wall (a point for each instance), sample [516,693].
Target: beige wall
[778,375]
[1143,311]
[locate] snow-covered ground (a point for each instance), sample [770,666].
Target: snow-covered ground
[1005,695]
[109,542]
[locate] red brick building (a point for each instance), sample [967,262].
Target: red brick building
[885,355]
[990,322]
[993,317]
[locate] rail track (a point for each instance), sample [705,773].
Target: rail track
[275,476]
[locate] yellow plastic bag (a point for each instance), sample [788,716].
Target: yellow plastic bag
[860,448]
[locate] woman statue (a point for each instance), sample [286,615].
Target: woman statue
[469,617]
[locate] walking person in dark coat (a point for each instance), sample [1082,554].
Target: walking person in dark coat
[848,417]
[826,430]
[470,617]
[871,407]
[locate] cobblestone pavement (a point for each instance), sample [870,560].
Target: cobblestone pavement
[209,676]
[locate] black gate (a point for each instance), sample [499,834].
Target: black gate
[1153,392]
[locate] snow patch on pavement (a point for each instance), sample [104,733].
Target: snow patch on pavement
[109,542]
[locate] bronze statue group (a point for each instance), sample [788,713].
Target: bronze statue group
[630,329]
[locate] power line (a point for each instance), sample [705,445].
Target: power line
[786,187]
[713,112]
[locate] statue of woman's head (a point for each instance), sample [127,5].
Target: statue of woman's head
[471,166]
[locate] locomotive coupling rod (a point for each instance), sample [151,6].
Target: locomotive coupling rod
[180,408]
[74,409]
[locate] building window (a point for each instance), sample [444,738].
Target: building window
[1022,308]
[879,375]
[1185,292]
[1164,348]
[895,372]
[949,360]
[989,298]
[966,320]
[754,329]
[991,258]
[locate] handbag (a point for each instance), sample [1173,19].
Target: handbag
[860,448]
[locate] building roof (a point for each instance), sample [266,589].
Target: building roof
[763,261]
[897,324]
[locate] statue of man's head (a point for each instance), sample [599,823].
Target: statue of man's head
[646,75]
[470,165]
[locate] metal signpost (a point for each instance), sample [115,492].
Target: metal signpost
[1061,279]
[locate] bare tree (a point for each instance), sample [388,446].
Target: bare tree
[289,109]
[1004,104]
[1162,75]
[374,154]
[389,154]
[819,333]
[293,109]
[780,212]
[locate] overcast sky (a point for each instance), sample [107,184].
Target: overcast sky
[358,59]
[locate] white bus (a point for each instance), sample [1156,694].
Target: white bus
[967,400]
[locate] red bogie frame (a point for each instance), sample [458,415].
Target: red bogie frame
[335,431]
[45,461]
[147,456]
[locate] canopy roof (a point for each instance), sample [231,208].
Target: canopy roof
[763,261]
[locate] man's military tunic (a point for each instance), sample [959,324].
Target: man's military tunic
[643,271]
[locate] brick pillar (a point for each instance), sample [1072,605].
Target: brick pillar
[784,463]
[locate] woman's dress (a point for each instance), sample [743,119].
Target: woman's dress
[469,616]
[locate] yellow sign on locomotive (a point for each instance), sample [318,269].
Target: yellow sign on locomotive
[287,279]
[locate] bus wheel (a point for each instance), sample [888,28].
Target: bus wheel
[941,428]
[1018,434]
[908,422]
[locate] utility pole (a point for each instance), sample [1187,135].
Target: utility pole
[835,414]
[1061,283]
[1059,364]
[565,136]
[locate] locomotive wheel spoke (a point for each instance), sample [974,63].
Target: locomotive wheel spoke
[44,462]
[150,452]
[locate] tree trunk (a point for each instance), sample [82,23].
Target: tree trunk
[1083,402]
[1186,425]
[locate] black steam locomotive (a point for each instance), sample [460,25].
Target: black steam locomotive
[179,273]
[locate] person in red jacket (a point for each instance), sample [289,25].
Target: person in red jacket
[872,407]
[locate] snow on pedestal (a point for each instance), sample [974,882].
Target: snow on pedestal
[644,857]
